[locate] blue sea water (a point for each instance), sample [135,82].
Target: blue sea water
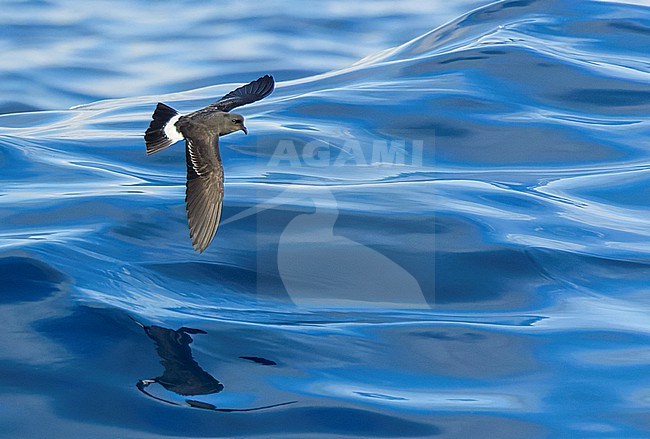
[438,224]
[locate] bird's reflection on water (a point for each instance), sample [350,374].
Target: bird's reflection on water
[182,374]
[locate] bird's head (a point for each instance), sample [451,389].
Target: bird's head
[234,122]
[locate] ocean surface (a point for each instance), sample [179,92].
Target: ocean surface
[437,226]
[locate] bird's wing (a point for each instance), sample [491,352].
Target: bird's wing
[204,190]
[252,92]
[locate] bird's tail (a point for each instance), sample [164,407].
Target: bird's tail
[159,135]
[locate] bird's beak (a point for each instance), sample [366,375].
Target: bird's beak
[244,129]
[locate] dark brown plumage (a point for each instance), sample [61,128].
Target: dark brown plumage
[201,131]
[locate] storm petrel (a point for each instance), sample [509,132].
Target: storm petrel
[201,131]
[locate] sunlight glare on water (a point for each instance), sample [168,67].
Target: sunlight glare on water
[437,225]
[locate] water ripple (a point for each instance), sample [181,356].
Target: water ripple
[465,212]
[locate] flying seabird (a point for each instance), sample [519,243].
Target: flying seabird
[201,131]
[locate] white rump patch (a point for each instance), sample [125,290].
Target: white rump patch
[171,131]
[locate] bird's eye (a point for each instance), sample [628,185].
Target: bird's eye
[235,121]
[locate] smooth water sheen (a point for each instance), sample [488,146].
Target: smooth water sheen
[439,236]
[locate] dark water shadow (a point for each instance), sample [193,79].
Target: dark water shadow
[183,375]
